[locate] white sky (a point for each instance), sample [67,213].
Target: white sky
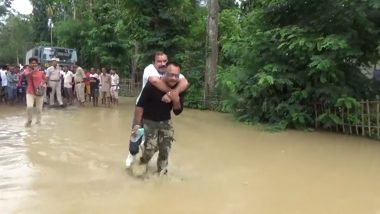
[22,6]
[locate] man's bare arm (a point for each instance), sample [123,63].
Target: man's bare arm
[157,82]
[176,101]
[138,115]
[183,84]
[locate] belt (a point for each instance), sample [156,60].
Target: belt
[159,122]
[164,122]
[55,80]
[79,82]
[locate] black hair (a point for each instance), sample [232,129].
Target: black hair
[174,64]
[158,53]
[31,59]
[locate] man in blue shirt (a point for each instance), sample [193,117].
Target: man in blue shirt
[12,80]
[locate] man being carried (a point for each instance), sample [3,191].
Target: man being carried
[156,116]
[153,73]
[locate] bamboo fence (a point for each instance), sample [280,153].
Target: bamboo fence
[129,88]
[362,120]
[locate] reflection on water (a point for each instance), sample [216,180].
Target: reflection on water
[73,163]
[16,170]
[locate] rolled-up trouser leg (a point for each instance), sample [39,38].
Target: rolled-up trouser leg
[53,86]
[29,106]
[165,138]
[151,139]
[79,90]
[39,106]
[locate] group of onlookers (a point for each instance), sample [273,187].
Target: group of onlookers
[13,84]
[73,81]
[64,85]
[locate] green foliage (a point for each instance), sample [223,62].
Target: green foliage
[15,39]
[347,102]
[117,33]
[73,34]
[277,57]
[292,54]
[162,25]
[192,58]
[40,20]
[329,120]
[4,8]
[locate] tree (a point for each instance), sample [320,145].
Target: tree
[5,6]
[40,20]
[293,54]
[15,39]
[212,57]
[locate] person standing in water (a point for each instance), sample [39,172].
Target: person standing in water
[35,78]
[79,78]
[153,74]
[156,117]
[105,81]
[68,85]
[53,74]
[94,83]
[114,87]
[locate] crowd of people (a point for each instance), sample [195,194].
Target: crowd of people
[64,85]
[162,93]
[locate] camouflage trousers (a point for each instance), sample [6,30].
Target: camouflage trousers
[158,137]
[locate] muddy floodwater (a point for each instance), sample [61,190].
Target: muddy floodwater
[74,163]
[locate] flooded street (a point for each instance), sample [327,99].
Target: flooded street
[74,163]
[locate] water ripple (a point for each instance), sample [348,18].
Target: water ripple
[16,169]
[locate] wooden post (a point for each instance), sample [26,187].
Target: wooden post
[377,118]
[362,106]
[356,124]
[342,116]
[336,125]
[316,116]
[330,128]
[349,122]
[369,119]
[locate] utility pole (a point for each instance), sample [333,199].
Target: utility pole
[74,9]
[50,23]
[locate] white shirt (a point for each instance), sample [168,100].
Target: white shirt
[94,75]
[67,79]
[151,71]
[4,81]
[53,73]
[114,80]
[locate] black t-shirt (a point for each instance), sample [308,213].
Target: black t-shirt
[154,108]
[24,81]
[94,83]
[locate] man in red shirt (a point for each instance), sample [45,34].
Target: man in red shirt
[35,78]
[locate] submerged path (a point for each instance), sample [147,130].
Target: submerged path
[74,163]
